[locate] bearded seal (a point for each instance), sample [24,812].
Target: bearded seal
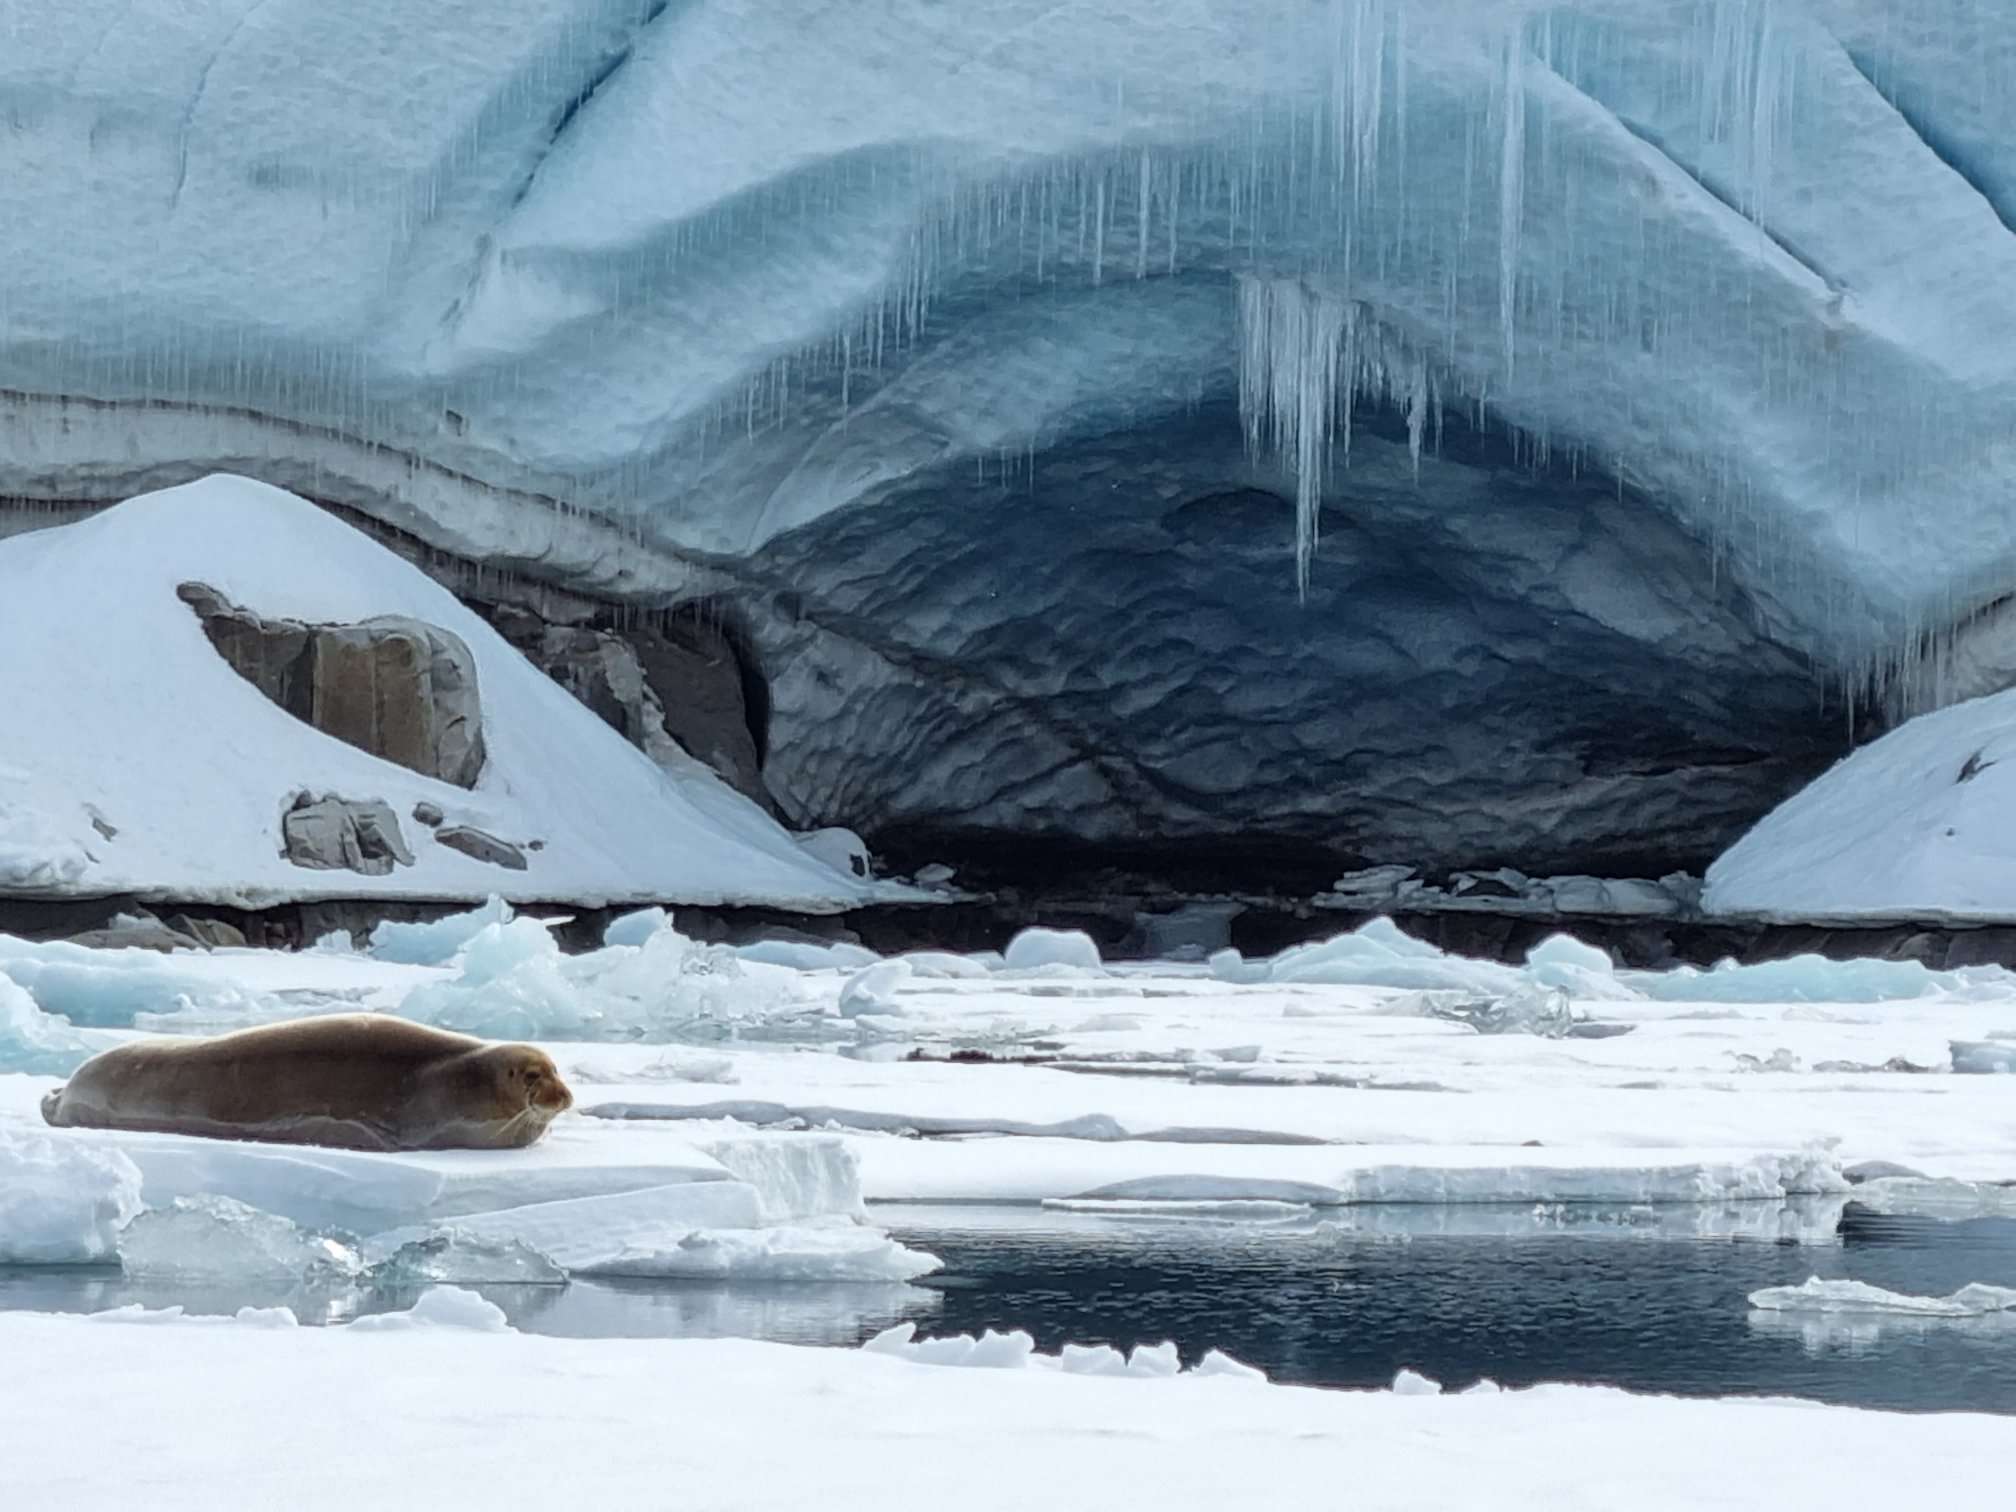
[357,1081]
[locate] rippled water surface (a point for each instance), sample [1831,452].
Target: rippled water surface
[1630,1298]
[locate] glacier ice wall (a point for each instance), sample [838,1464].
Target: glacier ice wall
[626,293]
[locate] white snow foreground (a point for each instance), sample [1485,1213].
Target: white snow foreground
[636,1423]
[1914,826]
[131,723]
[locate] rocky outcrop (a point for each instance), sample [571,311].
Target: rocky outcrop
[340,834]
[676,690]
[479,845]
[403,690]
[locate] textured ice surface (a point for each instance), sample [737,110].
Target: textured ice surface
[636,927]
[1972,1301]
[61,1202]
[222,1239]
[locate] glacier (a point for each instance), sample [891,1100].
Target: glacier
[1449,430]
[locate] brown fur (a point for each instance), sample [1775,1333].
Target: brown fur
[359,1081]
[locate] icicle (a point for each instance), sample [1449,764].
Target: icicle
[1511,190]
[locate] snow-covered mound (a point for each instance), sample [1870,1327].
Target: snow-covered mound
[1915,825]
[139,761]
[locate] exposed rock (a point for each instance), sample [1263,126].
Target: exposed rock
[403,690]
[679,693]
[136,932]
[107,830]
[338,834]
[213,933]
[428,814]
[479,846]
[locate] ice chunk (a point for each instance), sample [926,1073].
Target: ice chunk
[1154,1360]
[62,1201]
[635,928]
[1380,954]
[514,983]
[438,942]
[805,955]
[1532,1009]
[34,1042]
[1973,1301]
[442,1307]
[717,1070]
[462,1259]
[821,1253]
[874,990]
[1413,1383]
[222,1239]
[249,1317]
[1034,949]
[1217,1363]
[1092,1359]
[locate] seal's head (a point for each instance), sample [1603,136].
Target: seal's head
[528,1079]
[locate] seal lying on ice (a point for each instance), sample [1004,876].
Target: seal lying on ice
[359,1081]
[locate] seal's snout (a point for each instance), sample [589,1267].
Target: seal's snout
[54,1100]
[550,1094]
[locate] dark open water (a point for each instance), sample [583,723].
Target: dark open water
[1606,1297]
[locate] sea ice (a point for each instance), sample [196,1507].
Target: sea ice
[62,1202]
[1816,1295]
[1983,1058]
[806,955]
[223,1239]
[874,991]
[1413,1383]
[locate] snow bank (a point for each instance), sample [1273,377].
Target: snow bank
[61,1202]
[1914,825]
[191,767]
[1973,1301]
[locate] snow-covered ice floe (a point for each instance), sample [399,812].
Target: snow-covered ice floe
[276,1399]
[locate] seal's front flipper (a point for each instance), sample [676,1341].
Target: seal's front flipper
[50,1103]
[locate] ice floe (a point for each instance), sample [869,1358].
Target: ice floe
[1815,1295]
